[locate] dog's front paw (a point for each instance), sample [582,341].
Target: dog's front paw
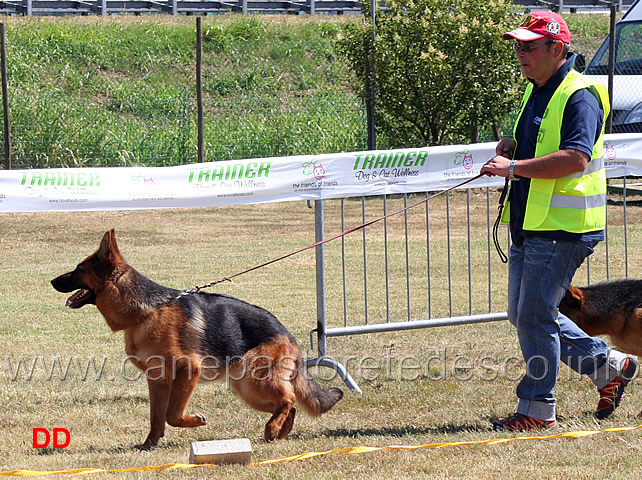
[144,447]
[150,442]
[188,421]
[199,420]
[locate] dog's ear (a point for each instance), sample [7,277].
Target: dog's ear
[108,247]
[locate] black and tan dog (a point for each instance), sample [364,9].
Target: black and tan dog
[178,342]
[608,308]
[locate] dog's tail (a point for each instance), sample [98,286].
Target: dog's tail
[309,394]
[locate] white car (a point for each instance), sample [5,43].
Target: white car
[627,78]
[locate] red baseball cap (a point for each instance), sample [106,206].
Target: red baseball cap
[541,24]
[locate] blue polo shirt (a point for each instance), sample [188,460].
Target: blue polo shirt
[581,126]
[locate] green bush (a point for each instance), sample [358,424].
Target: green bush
[441,69]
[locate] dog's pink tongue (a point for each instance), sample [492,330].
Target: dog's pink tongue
[75,297]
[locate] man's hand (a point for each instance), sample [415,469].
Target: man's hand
[554,165]
[497,165]
[505,148]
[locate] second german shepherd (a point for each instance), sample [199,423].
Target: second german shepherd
[179,341]
[608,308]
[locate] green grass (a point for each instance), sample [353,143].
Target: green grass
[121,90]
[460,379]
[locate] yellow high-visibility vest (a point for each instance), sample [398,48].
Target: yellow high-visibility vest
[576,203]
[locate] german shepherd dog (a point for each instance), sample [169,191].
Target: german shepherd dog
[608,308]
[195,337]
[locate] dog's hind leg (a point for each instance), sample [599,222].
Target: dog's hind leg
[280,425]
[275,397]
[287,425]
[268,390]
[263,378]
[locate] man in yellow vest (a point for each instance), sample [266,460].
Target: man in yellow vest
[556,212]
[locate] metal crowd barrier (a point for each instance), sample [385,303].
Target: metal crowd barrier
[430,268]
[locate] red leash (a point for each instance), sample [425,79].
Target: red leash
[198,288]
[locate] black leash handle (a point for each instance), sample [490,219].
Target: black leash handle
[502,200]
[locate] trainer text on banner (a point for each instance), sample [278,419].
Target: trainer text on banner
[307,177]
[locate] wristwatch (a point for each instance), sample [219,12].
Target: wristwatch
[511,170]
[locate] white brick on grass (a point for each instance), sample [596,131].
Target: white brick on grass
[237,450]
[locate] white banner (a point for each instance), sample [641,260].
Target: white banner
[270,179]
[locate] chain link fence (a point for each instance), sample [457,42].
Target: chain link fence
[87,107]
[56,131]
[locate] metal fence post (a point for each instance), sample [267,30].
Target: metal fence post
[5,99]
[322,360]
[371,86]
[199,86]
[320,276]
[609,120]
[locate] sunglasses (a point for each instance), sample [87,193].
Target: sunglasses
[529,47]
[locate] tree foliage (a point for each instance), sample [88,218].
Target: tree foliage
[442,70]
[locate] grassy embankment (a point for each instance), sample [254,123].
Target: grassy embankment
[121,90]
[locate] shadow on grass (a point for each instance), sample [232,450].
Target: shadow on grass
[403,431]
[629,202]
[50,451]
[117,449]
[113,399]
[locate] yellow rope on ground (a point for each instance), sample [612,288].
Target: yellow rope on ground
[491,441]
[82,471]
[304,456]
